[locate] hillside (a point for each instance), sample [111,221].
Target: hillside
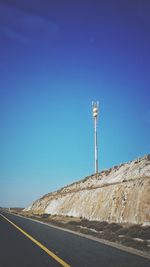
[120,194]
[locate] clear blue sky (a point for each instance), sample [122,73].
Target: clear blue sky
[55,58]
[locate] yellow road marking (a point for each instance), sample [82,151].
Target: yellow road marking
[50,253]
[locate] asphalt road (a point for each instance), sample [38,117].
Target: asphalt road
[16,249]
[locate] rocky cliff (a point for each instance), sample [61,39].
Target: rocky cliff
[120,194]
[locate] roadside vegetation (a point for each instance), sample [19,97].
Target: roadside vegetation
[135,236]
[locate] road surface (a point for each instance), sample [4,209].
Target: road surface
[26,243]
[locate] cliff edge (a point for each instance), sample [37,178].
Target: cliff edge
[120,194]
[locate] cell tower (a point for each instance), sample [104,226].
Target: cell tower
[95,107]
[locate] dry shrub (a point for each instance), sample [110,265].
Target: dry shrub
[128,241]
[136,231]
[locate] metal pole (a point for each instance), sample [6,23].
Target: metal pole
[96,145]
[95,106]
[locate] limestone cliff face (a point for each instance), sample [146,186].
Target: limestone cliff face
[120,194]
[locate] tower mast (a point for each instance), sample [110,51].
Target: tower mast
[95,107]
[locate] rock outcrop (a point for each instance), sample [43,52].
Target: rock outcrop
[120,194]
